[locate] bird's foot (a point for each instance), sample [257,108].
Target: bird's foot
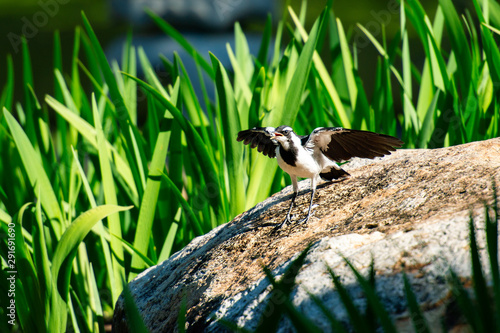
[304,220]
[309,214]
[285,222]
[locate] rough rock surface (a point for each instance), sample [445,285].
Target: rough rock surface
[409,211]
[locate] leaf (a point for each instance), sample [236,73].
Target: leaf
[231,125]
[459,43]
[417,317]
[298,83]
[356,319]
[150,199]
[169,30]
[280,293]
[36,174]
[110,198]
[373,301]
[89,133]
[196,143]
[486,322]
[7,96]
[69,241]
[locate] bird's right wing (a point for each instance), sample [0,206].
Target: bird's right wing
[260,137]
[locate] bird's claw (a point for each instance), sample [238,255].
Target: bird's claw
[288,221]
[285,222]
[304,220]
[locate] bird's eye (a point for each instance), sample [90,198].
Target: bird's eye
[286,132]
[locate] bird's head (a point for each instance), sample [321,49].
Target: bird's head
[286,137]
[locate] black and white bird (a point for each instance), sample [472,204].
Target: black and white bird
[316,155]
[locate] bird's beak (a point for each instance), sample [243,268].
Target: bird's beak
[275,134]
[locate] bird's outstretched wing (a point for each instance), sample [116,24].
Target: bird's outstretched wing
[260,137]
[341,144]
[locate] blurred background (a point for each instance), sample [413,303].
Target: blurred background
[207,24]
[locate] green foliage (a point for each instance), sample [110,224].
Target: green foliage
[482,312]
[77,150]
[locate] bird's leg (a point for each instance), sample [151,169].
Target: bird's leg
[288,219]
[313,191]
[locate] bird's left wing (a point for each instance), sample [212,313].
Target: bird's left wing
[341,144]
[260,137]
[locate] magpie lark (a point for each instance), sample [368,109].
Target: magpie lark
[315,155]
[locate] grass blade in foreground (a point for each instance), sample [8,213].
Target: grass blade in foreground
[374,301]
[37,176]
[151,192]
[231,125]
[110,198]
[63,259]
[281,289]
[417,317]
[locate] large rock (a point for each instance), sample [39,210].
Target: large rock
[408,211]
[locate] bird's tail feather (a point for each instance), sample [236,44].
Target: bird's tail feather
[334,173]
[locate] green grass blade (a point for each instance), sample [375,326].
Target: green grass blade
[190,214]
[27,288]
[133,316]
[41,256]
[417,317]
[243,94]
[231,125]
[29,106]
[335,324]
[169,30]
[428,125]
[489,44]
[299,80]
[459,44]
[99,228]
[75,75]
[348,66]
[487,323]
[325,78]
[168,244]
[495,30]
[355,316]
[95,301]
[491,223]
[116,96]
[65,93]
[132,250]
[36,174]
[110,198]
[123,114]
[300,322]
[198,146]
[262,55]
[191,104]
[374,301]
[57,61]
[469,311]
[89,133]
[150,74]
[152,190]
[280,292]
[63,258]
[7,97]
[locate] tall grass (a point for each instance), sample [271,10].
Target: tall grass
[77,156]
